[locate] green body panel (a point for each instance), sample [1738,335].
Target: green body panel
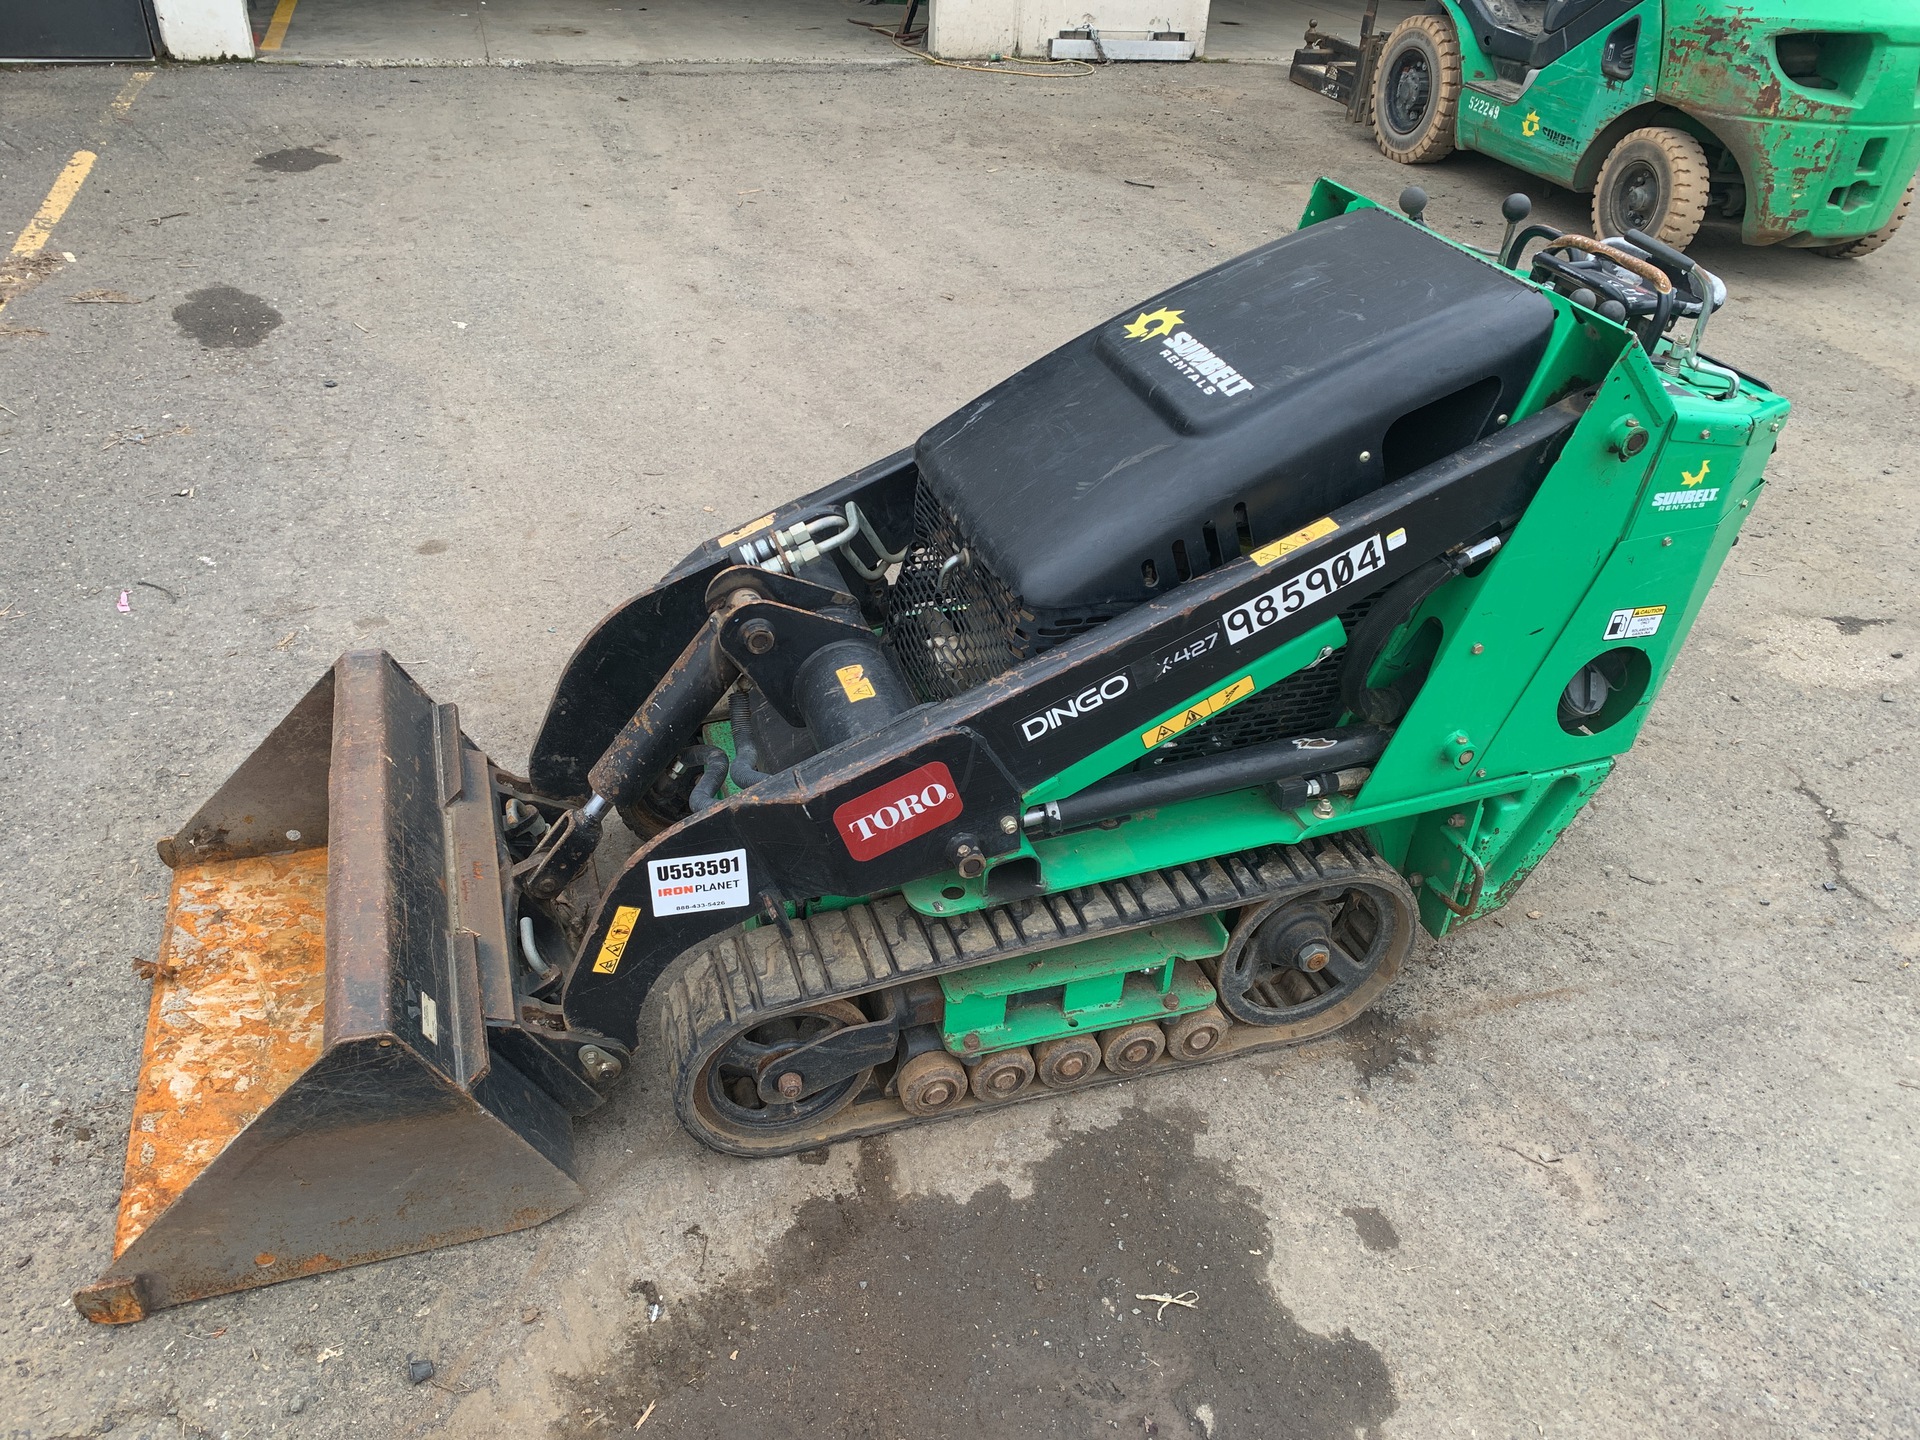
[1613,558]
[1820,163]
[1081,989]
[1283,660]
[1549,130]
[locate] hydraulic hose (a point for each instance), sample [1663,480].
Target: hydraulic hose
[746,754]
[712,761]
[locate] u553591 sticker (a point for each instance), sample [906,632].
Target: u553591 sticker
[1297,592]
[699,882]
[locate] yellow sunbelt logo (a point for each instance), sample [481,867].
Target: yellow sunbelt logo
[1532,126]
[1152,324]
[1180,348]
[1692,497]
[1198,711]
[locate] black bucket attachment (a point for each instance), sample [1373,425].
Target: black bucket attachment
[316,1090]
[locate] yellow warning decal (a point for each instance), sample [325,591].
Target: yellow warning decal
[853,679]
[615,945]
[1197,712]
[1287,544]
[745,530]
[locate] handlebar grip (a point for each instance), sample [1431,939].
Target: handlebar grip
[1661,251]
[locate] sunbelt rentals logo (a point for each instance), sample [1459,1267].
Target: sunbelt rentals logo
[1182,350]
[1692,497]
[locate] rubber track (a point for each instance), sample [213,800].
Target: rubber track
[748,977]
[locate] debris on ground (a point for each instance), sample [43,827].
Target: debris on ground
[1186,1300]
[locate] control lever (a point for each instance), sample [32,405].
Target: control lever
[1413,204]
[1515,208]
[1707,289]
[1676,263]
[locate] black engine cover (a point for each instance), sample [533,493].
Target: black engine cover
[1232,409]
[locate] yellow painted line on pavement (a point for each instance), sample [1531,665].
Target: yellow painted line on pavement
[40,228]
[277,27]
[123,102]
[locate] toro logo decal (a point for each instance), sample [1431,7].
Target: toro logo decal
[886,818]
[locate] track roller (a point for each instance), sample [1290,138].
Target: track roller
[1069,1061]
[1132,1048]
[1003,1076]
[930,1082]
[1192,1036]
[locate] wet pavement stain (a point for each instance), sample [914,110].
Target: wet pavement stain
[1375,1230]
[1379,1044]
[879,1316]
[295,162]
[223,318]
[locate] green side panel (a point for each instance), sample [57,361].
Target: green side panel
[1078,989]
[1550,128]
[1826,155]
[1199,938]
[1499,627]
[1476,65]
[1331,198]
[1581,350]
[1477,853]
[1283,660]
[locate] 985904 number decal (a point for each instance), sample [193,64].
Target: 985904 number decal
[1295,593]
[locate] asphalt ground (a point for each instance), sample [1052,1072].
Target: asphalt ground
[450,362]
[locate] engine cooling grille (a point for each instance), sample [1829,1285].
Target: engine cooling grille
[1306,701]
[953,623]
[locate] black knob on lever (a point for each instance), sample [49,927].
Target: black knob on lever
[1515,208]
[1413,204]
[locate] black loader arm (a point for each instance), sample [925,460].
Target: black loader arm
[617,665]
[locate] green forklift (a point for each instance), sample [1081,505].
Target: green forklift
[1800,120]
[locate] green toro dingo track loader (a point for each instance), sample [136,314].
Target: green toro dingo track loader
[1798,118]
[1133,718]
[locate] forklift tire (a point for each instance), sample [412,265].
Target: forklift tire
[1654,181]
[1867,244]
[1416,91]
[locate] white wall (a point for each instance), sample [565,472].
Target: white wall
[204,29]
[969,29]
